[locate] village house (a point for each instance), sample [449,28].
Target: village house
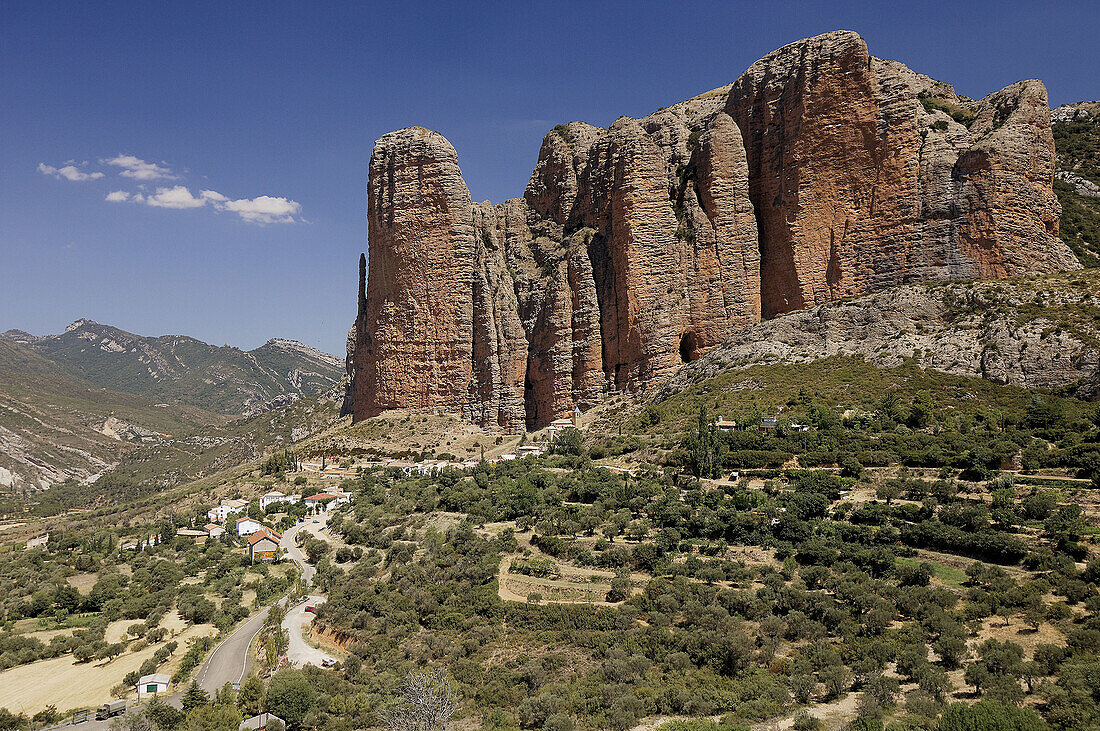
[152,684]
[768,424]
[275,496]
[263,545]
[248,526]
[197,536]
[331,498]
[724,425]
[214,530]
[407,468]
[221,513]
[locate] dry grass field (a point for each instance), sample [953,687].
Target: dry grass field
[67,684]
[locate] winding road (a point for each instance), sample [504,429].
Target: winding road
[230,661]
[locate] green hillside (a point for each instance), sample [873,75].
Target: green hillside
[182,370]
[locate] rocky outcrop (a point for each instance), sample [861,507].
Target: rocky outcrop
[1034,332]
[417,341]
[821,173]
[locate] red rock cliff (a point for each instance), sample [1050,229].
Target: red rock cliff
[820,173]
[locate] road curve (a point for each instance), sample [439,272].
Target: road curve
[230,661]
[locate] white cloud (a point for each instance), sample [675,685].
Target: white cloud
[138,169]
[265,209]
[178,197]
[68,172]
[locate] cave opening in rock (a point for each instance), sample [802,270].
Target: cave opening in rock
[687,347]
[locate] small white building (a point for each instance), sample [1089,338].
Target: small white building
[248,526]
[152,684]
[221,513]
[275,496]
[214,530]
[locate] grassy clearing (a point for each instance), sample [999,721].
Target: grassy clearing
[950,576]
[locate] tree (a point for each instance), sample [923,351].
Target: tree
[194,697]
[213,718]
[276,642]
[620,586]
[163,716]
[250,698]
[427,703]
[290,695]
[889,491]
[702,446]
[989,716]
[835,678]
[922,411]
[570,442]
[315,549]
[226,695]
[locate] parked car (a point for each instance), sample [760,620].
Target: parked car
[328,662]
[310,608]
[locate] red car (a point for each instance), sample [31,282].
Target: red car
[310,608]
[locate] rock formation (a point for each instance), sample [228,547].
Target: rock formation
[821,173]
[987,329]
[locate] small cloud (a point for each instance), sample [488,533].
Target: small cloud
[118,196]
[213,196]
[178,197]
[265,209]
[68,172]
[138,169]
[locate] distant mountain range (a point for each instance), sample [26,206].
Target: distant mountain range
[177,369]
[73,404]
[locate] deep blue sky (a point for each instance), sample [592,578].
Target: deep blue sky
[286,99]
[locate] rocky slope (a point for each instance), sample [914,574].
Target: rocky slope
[55,427]
[1076,130]
[820,173]
[1039,332]
[177,369]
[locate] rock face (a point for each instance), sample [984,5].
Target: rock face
[821,173]
[1028,332]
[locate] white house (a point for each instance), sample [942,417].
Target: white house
[277,497]
[248,526]
[148,685]
[214,530]
[325,500]
[221,513]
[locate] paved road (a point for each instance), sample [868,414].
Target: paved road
[229,662]
[292,549]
